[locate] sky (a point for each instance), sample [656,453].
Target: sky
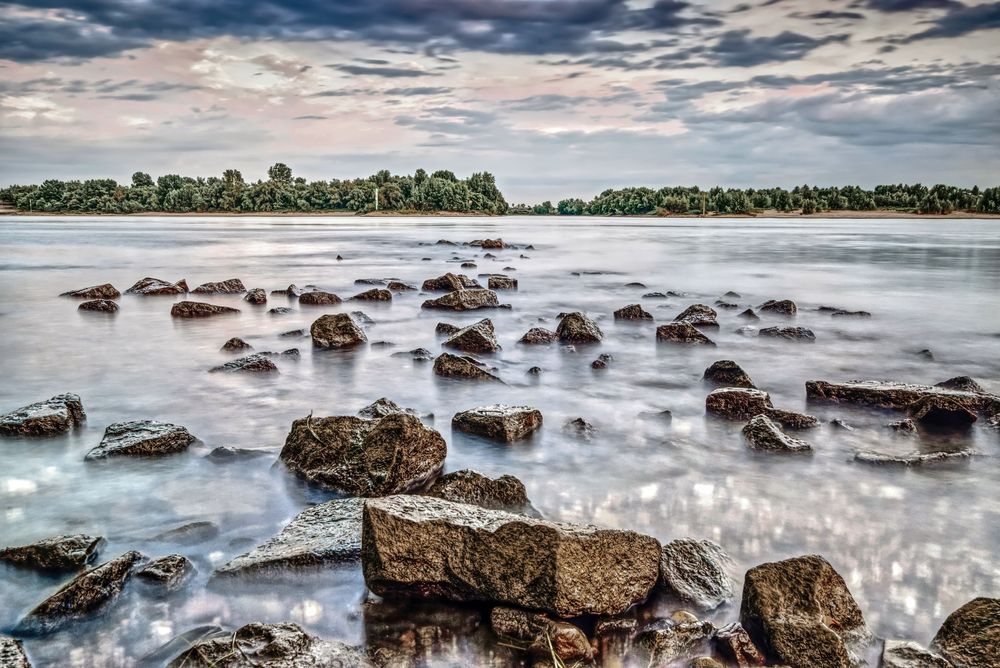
[557,98]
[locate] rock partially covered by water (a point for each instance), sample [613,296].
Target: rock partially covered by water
[764,435]
[908,654]
[971,635]
[256,363]
[748,315]
[788,333]
[546,637]
[699,315]
[399,286]
[58,554]
[360,457]
[737,403]
[291,291]
[383,407]
[167,573]
[682,332]
[232,286]
[44,418]
[449,283]
[578,328]
[154,286]
[453,366]
[319,298]
[261,645]
[889,394]
[464,300]
[727,373]
[499,421]
[779,306]
[962,384]
[236,344]
[476,338]
[426,547]
[99,306]
[501,283]
[324,535]
[505,493]
[142,438]
[538,336]
[336,330]
[373,295]
[667,642]
[188,309]
[87,594]
[632,312]
[697,571]
[105,291]
[257,297]
[802,614]
[939,412]
[734,643]
[446,328]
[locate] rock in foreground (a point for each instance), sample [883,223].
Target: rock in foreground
[337,330]
[44,418]
[426,547]
[578,328]
[12,653]
[142,438]
[188,309]
[697,571]
[58,554]
[505,493]
[479,337]
[971,635]
[499,421]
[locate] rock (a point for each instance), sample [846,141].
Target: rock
[749,315]
[492,243]
[373,295]
[291,291]
[155,286]
[336,330]
[293,333]
[748,331]
[256,363]
[225,454]
[538,336]
[939,412]
[635,284]
[762,434]
[682,332]
[838,423]
[734,643]
[788,333]
[450,283]
[180,643]
[319,298]
[792,420]
[446,329]
[505,493]
[906,426]
[888,394]
[705,662]
[105,291]
[537,371]
[841,313]
[580,427]
[735,403]
[728,374]
[371,281]
[232,286]
[236,344]
[87,594]
[360,457]
[99,306]
[971,635]
[664,416]
[191,533]
[499,422]
[925,353]
[911,459]
[962,384]
[12,653]
[399,286]
[602,361]
[464,300]
[166,573]
[58,554]
[668,642]
[518,624]
[361,317]
[280,310]
[426,547]
[141,438]
[696,571]
[908,654]
[453,366]
[325,535]
[257,296]
[565,641]
[188,309]
[779,306]
[44,418]
[417,354]
[501,283]
[654,295]
[261,645]
[801,613]
[578,328]
[383,407]
[632,312]
[468,265]
[698,315]
[477,338]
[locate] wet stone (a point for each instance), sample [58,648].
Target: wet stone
[668,642]
[762,434]
[96,292]
[736,403]
[578,328]
[779,306]
[168,573]
[280,310]
[539,336]
[399,286]
[501,283]
[971,635]
[727,373]
[141,438]
[236,344]
[962,384]
[12,653]
[449,283]
[57,554]
[749,315]
[499,422]
[257,296]
[697,572]
[464,300]
[446,329]
[632,312]
[256,363]
[453,366]
[479,337]
[225,454]
[505,493]
[383,407]
[890,394]
[733,642]
[942,412]
[699,315]
[191,533]
[336,330]
[912,459]
[788,333]
[99,306]
[318,298]
[373,295]
[44,418]
[188,309]
[682,332]
[908,654]
[154,286]
[232,286]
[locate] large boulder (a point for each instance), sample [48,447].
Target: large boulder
[105,291]
[908,654]
[682,332]
[12,653]
[939,412]
[737,403]
[699,315]
[763,435]
[319,298]
[727,373]
[188,309]
[499,421]
[697,571]
[427,547]
[154,286]
[58,554]
[476,338]
[449,283]
[453,366]
[256,363]
[504,493]
[632,312]
[324,535]
[538,336]
[166,574]
[970,637]
[578,328]
[336,330]
[99,306]
[802,614]
[373,295]
[779,306]
[44,418]
[232,286]
[360,457]
[788,333]
[258,645]
[84,596]
[889,394]
[464,300]
[142,438]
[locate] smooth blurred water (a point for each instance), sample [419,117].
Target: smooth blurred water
[913,545]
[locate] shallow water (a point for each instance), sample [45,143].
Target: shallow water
[913,545]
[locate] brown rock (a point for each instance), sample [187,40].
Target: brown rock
[887,394]
[453,366]
[383,407]
[762,434]
[699,315]
[336,330]
[727,373]
[155,286]
[682,332]
[257,296]
[141,438]
[449,283]
[734,643]
[188,309]
[939,412]
[105,291]
[505,493]
[446,328]
[399,286]
[696,571]
[232,286]
[373,295]
[970,637]
[256,363]
[57,554]
[499,421]
[632,312]
[737,403]
[667,642]
[493,244]
[44,418]
[779,306]
[501,283]
[318,298]
[236,344]
[962,384]
[538,336]
[476,338]
[464,300]
[578,328]
[908,654]
[788,333]
[99,306]
[167,573]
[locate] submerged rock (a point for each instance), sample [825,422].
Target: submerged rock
[141,438]
[257,296]
[788,333]
[971,635]
[682,332]
[225,454]
[325,535]
[426,547]
[911,459]
[728,374]
[602,361]
[501,283]
[191,533]
[749,315]
[940,412]
[280,310]
[632,312]
[888,394]
[12,653]
[417,354]
[779,306]
[85,595]
[236,344]
[908,654]
[841,313]
[336,330]
[105,291]
[476,338]
[319,298]
[232,286]
[464,300]
[373,295]
[291,291]
[261,645]
[505,493]
[538,336]
[802,614]
[453,366]
[360,457]
[499,421]
[167,573]
[699,315]
[99,306]
[57,554]
[188,309]
[256,363]
[446,328]
[763,434]
[449,283]
[792,420]
[578,328]
[154,286]
[399,286]
[44,418]
[697,571]
[737,403]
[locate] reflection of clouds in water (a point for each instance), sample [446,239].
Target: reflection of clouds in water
[19,486]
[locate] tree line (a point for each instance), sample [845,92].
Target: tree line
[443,191]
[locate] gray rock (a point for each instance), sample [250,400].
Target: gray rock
[749,315]
[788,333]
[256,363]
[141,438]
[417,354]
[225,454]
[697,571]
[336,330]
[280,310]
[779,306]
[399,286]
[188,309]
[167,574]
[293,333]
[426,547]
[602,361]
[12,653]
[99,306]
[453,366]
[763,435]
[841,313]
[792,420]
[908,654]
[501,283]
[373,295]
[446,328]
[889,394]
[539,336]
[191,533]
[99,292]
[682,332]
[257,296]
[737,403]
[581,428]
[505,493]
[44,418]
[632,312]
[291,291]
[912,459]
[727,373]
[578,328]
[699,315]
[154,286]
[232,286]
[970,637]
[499,421]
[56,554]
[464,300]
[318,298]
[479,337]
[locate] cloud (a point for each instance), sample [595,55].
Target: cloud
[829,15]
[309,117]
[379,71]
[737,48]
[962,20]
[910,5]
[419,90]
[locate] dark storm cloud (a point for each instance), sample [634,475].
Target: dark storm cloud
[829,15]
[738,48]
[962,20]
[910,5]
